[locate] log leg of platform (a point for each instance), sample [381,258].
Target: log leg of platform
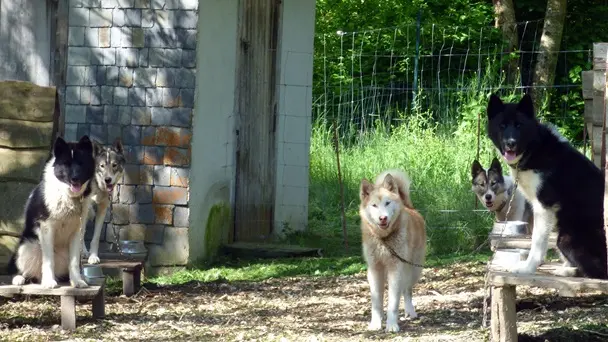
[68,312]
[131,279]
[99,304]
[504,317]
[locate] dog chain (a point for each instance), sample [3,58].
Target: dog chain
[486,289]
[116,244]
[390,249]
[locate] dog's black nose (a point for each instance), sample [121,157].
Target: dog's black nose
[108,180]
[511,143]
[488,197]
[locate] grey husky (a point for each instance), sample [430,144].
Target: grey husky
[494,190]
[109,169]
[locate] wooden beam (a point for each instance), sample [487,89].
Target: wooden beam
[504,317]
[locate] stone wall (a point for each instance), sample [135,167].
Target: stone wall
[131,74]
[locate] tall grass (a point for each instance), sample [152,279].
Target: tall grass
[435,154]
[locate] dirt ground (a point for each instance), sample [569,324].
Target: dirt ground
[448,300]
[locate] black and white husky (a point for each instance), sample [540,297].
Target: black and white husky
[565,189]
[49,248]
[109,169]
[495,190]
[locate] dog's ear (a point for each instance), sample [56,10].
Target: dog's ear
[85,142]
[496,166]
[390,184]
[495,106]
[118,145]
[526,106]
[97,147]
[476,168]
[60,147]
[365,189]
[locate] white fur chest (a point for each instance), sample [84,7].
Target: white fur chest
[61,205]
[529,183]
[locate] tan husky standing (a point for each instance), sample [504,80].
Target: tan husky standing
[390,225]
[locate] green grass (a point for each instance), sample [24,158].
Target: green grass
[263,269]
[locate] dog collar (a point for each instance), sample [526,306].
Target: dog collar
[502,206]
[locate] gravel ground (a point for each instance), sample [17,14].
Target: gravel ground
[448,300]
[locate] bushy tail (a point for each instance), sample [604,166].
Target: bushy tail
[401,181]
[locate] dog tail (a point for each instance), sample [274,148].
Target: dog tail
[401,182]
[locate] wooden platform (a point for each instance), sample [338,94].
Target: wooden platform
[68,296]
[503,316]
[501,242]
[130,269]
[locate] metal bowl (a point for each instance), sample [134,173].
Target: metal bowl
[510,228]
[133,249]
[509,257]
[93,274]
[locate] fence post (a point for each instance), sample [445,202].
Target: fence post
[417,56]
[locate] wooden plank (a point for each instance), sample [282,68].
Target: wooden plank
[22,165]
[116,263]
[62,290]
[99,304]
[255,107]
[568,284]
[599,56]
[25,134]
[587,77]
[26,101]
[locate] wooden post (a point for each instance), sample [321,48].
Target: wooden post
[128,282]
[504,318]
[605,112]
[68,312]
[99,306]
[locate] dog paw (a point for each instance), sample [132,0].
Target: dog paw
[79,283]
[374,325]
[522,267]
[94,259]
[48,283]
[411,313]
[392,327]
[18,280]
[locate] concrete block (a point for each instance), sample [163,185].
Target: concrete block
[127,194]
[72,95]
[76,36]
[154,155]
[189,58]
[181,217]
[131,135]
[120,214]
[131,173]
[181,117]
[186,19]
[173,251]
[144,77]
[187,98]
[166,77]
[75,114]
[141,116]
[79,56]
[180,177]
[107,95]
[99,133]
[163,214]
[121,96]
[127,57]
[100,17]
[172,58]
[141,213]
[95,114]
[143,193]
[146,174]
[137,96]
[78,17]
[154,98]
[125,77]
[186,78]
[112,76]
[162,176]
[142,57]
[171,97]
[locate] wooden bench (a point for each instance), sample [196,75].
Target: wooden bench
[130,270]
[68,296]
[503,321]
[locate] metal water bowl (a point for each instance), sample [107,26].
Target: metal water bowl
[510,256]
[133,249]
[93,274]
[510,228]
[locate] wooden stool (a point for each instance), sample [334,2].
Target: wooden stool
[503,321]
[68,296]
[131,273]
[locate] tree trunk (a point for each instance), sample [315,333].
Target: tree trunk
[550,41]
[505,20]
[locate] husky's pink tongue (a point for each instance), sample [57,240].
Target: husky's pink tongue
[75,187]
[110,188]
[509,155]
